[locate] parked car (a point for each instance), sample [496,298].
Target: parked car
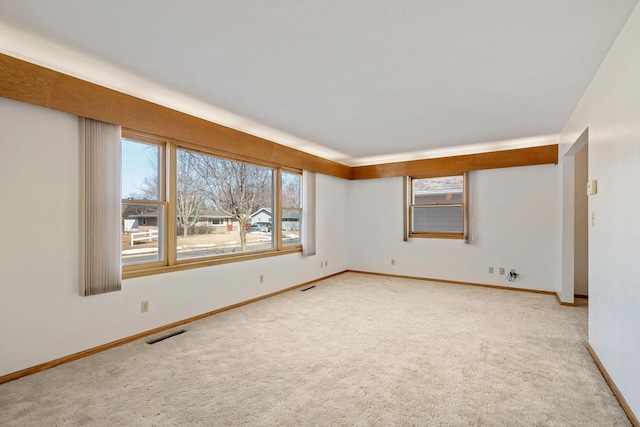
[257,227]
[266,224]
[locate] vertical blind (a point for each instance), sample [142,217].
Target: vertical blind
[308,230]
[100,197]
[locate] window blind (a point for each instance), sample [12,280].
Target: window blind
[100,231]
[308,229]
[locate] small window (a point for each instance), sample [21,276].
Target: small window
[291,208]
[437,207]
[143,203]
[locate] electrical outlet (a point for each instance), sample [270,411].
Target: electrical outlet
[393,262]
[144,306]
[261,278]
[490,270]
[502,271]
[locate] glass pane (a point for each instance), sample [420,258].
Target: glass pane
[291,220]
[142,233]
[437,219]
[223,206]
[434,191]
[140,170]
[291,190]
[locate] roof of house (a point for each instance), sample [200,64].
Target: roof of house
[261,210]
[203,214]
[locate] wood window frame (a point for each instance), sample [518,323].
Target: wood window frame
[409,205]
[161,202]
[288,208]
[169,196]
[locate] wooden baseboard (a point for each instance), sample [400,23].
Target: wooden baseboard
[455,282]
[616,392]
[581,296]
[104,347]
[570,304]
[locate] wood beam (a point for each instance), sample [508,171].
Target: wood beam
[33,84]
[457,164]
[30,83]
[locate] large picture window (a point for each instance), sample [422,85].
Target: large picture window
[437,207]
[233,190]
[184,205]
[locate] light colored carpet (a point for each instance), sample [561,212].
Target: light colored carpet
[356,350]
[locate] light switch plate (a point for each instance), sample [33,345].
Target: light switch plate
[592,187]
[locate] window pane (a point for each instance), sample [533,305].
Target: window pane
[291,208]
[291,226]
[223,206]
[142,234]
[291,190]
[437,219]
[433,191]
[140,170]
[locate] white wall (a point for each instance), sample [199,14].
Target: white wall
[581,223]
[514,224]
[42,315]
[610,108]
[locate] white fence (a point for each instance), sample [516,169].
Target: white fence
[147,236]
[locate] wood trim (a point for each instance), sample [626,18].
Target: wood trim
[581,296]
[568,304]
[276,215]
[616,392]
[33,84]
[454,282]
[113,344]
[456,165]
[417,235]
[149,270]
[170,217]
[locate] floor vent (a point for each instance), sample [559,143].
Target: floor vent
[306,289]
[164,337]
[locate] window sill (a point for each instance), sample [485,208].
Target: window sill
[437,236]
[188,265]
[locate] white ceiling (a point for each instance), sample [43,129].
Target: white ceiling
[357,81]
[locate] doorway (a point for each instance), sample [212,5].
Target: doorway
[581,228]
[575,222]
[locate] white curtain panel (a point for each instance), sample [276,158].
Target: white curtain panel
[308,228]
[466,220]
[406,195]
[100,210]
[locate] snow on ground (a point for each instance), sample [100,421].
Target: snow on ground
[139,251]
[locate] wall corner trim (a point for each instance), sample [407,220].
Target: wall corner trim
[616,392]
[568,304]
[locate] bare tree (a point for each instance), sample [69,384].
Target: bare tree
[291,190]
[190,199]
[236,188]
